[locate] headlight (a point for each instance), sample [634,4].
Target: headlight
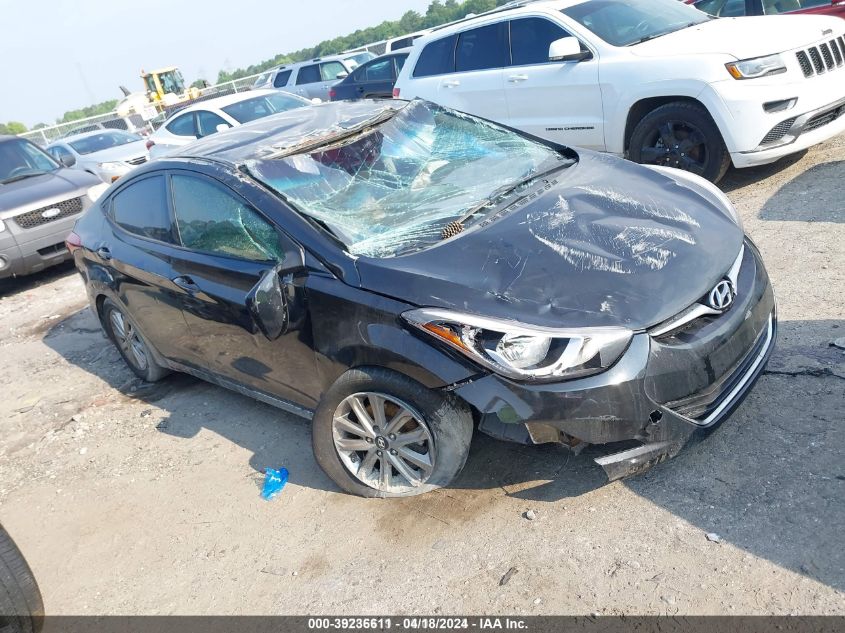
[96,191]
[524,352]
[2,226]
[757,67]
[110,166]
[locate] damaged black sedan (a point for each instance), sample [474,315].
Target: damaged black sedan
[400,272]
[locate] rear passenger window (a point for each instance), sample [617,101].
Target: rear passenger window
[308,75]
[281,79]
[141,208]
[212,220]
[207,123]
[182,125]
[484,47]
[330,70]
[531,38]
[379,71]
[437,58]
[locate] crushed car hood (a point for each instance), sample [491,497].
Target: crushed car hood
[604,242]
[743,38]
[46,188]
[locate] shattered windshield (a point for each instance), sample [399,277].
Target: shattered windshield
[394,187]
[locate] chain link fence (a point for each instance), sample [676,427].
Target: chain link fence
[134,122]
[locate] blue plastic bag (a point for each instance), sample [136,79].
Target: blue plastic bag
[274,481]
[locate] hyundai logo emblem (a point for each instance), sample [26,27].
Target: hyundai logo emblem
[722,296]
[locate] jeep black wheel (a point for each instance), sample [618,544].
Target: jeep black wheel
[681,135]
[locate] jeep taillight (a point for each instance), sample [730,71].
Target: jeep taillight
[396,93]
[150,143]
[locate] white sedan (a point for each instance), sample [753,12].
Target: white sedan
[108,154]
[218,114]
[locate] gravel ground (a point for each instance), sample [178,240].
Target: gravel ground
[130,498]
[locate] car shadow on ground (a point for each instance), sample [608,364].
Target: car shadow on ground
[739,178]
[15,285]
[803,199]
[769,480]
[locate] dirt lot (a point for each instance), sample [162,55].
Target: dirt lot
[128,498]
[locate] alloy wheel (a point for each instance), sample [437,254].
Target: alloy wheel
[128,340]
[383,442]
[676,144]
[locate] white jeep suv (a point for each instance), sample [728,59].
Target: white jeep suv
[656,81]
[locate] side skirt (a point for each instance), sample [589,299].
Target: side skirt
[261,396]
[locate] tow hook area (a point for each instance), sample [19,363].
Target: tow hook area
[636,460]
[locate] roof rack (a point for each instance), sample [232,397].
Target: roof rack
[514,4]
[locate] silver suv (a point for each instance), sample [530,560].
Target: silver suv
[39,203]
[311,79]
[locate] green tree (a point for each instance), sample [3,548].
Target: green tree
[12,127]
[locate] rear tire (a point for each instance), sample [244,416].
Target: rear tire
[393,464]
[21,606]
[135,349]
[681,135]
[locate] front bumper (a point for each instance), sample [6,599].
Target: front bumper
[664,391]
[23,252]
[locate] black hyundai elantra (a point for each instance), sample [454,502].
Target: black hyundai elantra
[401,273]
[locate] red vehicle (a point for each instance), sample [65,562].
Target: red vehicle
[737,8]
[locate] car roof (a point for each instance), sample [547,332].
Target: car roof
[459,25]
[76,137]
[326,58]
[275,133]
[220,102]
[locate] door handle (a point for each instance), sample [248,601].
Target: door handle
[104,253]
[517,78]
[186,283]
[451,84]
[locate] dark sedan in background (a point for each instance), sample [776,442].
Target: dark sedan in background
[398,271]
[373,80]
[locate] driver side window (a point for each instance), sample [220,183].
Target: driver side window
[212,220]
[530,40]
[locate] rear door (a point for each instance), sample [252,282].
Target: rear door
[560,101]
[228,245]
[307,80]
[476,85]
[139,252]
[375,79]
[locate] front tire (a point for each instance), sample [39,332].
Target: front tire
[131,344]
[377,433]
[21,606]
[681,135]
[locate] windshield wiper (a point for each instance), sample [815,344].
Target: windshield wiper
[661,34]
[22,177]
[457,226]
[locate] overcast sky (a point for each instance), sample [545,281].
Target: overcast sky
[59,55]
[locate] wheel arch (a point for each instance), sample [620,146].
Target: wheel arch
[639,109]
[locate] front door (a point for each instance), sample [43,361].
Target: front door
[228,246]
[560,101]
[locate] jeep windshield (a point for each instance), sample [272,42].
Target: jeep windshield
[392,187]
[634,21]
[20,159]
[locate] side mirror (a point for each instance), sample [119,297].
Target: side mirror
[222,127]
[567,49]
[342,75]
[67,160]
[268,305]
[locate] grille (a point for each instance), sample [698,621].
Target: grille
[805,64]
[822,58]
[35,218]
[827,56]
[824,118]
[817,60]
[837,54]
[778,131]
[137,161]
